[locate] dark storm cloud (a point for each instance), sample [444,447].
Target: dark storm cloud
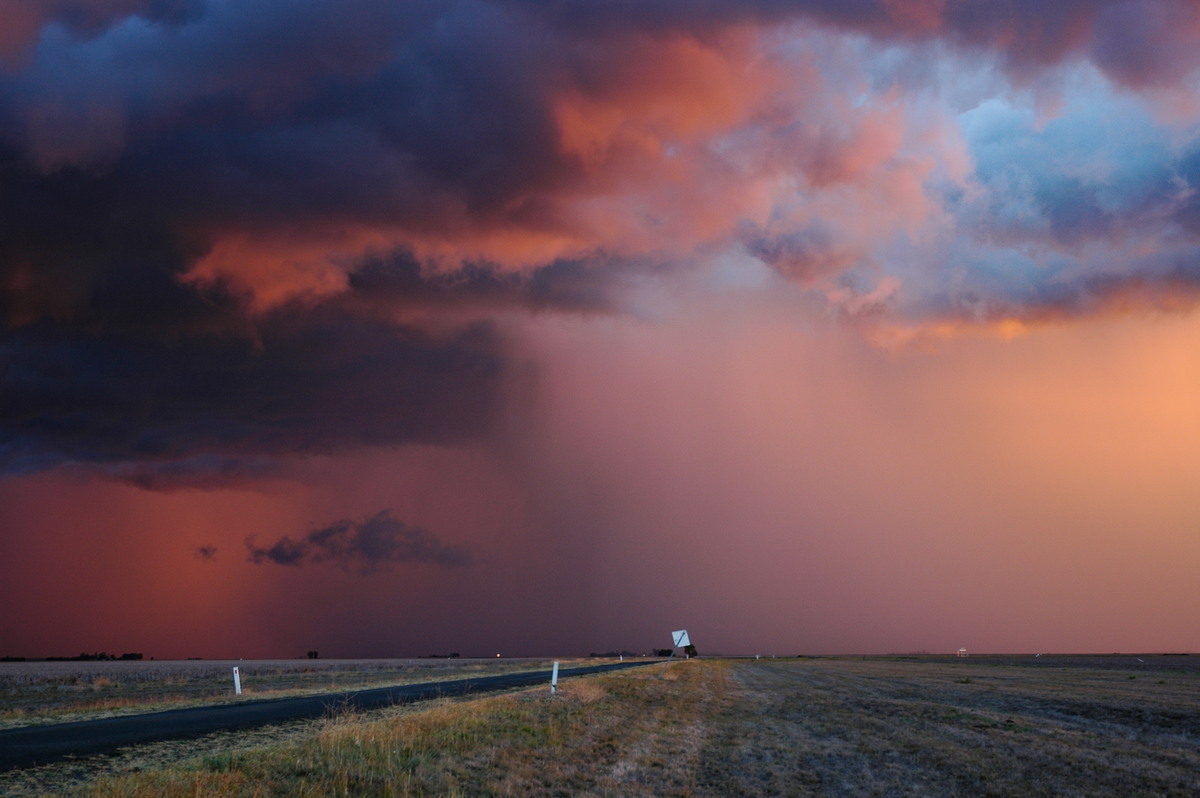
[414,112]
[267,121]
[400,281]
[221,407]
[1138,42]
[259,104]
[206,471]
[25,19]
[188,121]
[367,544]
[212,213]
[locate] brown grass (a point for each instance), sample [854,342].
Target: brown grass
[842,727]
[838,727]
[624,734]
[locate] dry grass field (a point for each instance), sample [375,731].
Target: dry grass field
[878,726]
[972,728]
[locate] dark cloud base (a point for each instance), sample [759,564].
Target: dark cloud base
[178,409]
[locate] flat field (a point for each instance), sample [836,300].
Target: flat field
[993,726]
[1080,726]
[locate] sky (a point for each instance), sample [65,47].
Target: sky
[547,328]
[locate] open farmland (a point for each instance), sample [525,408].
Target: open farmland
[841,726]
[921,727]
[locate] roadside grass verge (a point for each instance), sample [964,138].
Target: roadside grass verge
[630,733]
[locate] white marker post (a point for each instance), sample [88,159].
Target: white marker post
[237,681]
[554,679]
[680,638]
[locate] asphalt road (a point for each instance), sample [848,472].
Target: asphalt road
[38,745]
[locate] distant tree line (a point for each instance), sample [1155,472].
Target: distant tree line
[689,650]
[99,656]
[654,652]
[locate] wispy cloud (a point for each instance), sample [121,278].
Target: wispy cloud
[369,544]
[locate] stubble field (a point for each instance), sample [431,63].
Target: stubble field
[840,726]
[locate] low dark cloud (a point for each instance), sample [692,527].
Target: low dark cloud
[198,409]
[366,545]
[207,552]
[399,281]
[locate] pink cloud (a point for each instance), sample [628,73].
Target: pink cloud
[1148,44]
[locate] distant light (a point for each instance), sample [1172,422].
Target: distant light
[497,656]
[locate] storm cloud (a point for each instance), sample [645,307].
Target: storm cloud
[227,405]
[231,233]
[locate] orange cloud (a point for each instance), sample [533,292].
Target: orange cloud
[663,93]
[271,271]
[670,146]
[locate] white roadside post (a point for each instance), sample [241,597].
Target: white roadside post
[554,679]
[680,638]
[237,681]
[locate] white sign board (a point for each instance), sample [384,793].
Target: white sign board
[681,638]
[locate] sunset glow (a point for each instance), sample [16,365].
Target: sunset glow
[545,328]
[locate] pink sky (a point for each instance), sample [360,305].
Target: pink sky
[771,483]
[548,329]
